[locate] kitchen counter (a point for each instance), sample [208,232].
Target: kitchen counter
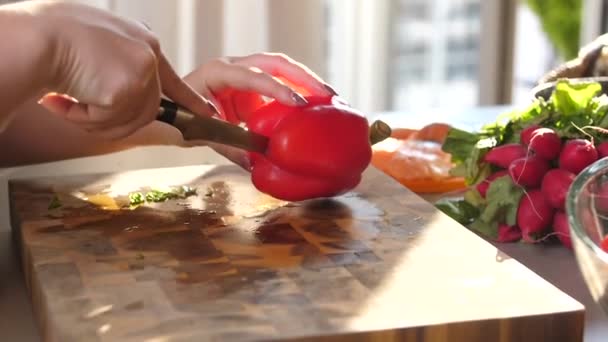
[555,264]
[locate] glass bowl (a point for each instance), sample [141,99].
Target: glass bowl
[587,209]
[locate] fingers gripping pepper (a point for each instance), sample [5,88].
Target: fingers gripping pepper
[319,150]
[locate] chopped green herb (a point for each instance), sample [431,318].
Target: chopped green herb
[55,203]
[161,195]
[136,198]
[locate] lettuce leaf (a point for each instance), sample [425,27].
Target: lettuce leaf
[570,99]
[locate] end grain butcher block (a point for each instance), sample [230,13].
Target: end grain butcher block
[229,263]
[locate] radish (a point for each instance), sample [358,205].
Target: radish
[602,149]
[562,229]
[508,233]
[528,171]
[576,155]
[534,214]
[555,187]
[545,143]
[504,155]
[526,134]
[482,187]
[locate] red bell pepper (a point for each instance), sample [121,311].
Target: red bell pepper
[319,150]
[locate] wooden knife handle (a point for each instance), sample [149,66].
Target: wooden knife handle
[196,127]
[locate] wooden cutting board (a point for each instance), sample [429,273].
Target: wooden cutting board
[377,264]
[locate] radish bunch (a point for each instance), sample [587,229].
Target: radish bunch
[521,166]
[544,165]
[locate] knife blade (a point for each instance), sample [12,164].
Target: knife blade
[197,127]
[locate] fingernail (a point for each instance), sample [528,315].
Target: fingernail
[330,89]
[298,99]
[53,94]
[58,104]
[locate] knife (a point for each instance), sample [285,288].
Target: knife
[197,127]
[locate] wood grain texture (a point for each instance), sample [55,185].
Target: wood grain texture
[377,264]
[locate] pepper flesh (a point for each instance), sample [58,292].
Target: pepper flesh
[318,150]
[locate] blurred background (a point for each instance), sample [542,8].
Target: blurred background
[385,55]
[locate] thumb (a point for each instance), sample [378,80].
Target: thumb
[64,106]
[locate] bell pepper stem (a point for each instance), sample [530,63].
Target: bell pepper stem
[379,131]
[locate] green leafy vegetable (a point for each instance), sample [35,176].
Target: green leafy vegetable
[487,229]
[572,99]
[474,198]
[460,210]
[468,150]
[561,21]
[484,215]
[502,200]
[55,203]
[161,195]
[459,144]
[136,198]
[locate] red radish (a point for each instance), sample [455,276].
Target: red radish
[602,149]
[482,187]
[576,155]
[546,143]
[504,155]
[508,233]
[526,134]
[555,187]
[604,244]
[534,214]
[562,229]
[528,171]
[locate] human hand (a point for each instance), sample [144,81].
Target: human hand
[106,74]
[236,86]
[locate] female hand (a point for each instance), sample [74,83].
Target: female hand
[106,74]
[236,85]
